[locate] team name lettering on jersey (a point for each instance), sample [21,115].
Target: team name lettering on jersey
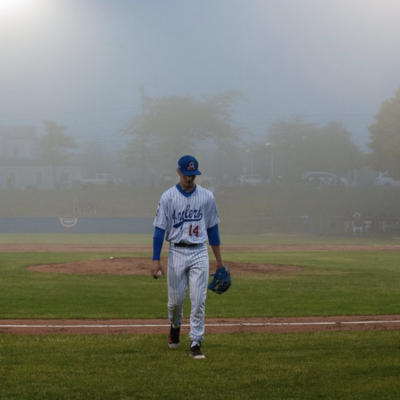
[186,215]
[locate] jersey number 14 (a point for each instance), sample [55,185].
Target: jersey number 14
[194,231]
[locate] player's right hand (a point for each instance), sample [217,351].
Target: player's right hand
[155,267]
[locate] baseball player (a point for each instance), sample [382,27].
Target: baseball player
[187,215]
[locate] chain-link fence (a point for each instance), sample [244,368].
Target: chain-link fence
[319,225]
[354,225]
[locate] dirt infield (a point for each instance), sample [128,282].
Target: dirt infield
[141,266]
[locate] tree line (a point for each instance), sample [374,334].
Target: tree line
[170,126]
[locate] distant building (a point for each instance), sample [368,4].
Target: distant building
[21,166]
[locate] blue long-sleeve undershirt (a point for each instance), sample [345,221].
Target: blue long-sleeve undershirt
[213,236]
[158,240]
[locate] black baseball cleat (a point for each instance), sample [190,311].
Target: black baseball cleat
[195,352]
[173,337]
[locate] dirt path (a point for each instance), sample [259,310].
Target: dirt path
[213,326]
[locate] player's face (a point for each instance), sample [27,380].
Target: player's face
[186,182]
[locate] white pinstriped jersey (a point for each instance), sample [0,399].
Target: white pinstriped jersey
[186,219]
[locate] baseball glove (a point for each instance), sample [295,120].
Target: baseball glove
[222,280]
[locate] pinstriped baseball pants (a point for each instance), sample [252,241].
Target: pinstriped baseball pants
[188,267]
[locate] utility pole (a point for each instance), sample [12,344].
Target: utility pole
[142,96]
[143,134]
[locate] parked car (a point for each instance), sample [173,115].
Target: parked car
[100,179]
[322,179]
[251,180]
[383,179]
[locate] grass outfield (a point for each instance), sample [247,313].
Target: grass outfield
[340,365]
[344,365]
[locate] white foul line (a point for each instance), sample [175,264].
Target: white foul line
[207,325]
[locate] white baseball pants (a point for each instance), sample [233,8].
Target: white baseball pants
[188,267]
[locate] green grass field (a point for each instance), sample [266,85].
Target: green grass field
[328,365]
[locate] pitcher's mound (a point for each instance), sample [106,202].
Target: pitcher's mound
[142,266]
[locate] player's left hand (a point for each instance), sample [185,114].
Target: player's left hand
[222,280]
[155,268]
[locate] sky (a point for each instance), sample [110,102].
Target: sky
[81,62]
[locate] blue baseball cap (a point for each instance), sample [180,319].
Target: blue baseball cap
[188,165]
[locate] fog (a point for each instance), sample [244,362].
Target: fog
[80,63]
